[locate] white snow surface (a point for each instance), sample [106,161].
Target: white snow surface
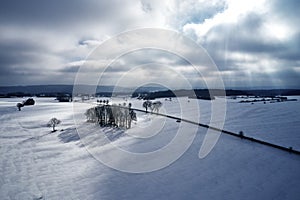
[38,164]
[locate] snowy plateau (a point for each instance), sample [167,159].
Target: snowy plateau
[36,163]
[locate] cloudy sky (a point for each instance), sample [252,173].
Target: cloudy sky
[254,43]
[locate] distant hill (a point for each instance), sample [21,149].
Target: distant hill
[53,90]
[208,94]
[150,91]
[34,89]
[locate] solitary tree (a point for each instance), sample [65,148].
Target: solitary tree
[52,123]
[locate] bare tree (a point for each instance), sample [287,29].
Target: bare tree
[155,106]
[91,115]
[20,105]
[147,104]
[52,123]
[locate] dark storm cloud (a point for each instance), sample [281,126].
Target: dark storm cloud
[22,60]
[71,69]
[6,71]
[18,75]
[54,12]
[39,36]
[51,34]
[289,78]
[17,52]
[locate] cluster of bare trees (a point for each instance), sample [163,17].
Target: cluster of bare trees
[111,115]
[154,106]
[117,115]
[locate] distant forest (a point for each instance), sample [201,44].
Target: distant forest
[209,94]
[145,93]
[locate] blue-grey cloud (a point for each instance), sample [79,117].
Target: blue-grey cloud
[54,13]
[43,41]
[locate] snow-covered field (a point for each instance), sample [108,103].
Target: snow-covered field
[38,164]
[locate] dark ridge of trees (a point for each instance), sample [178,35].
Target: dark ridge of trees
[266,93]
[161,94]
[210,94]
[104,94]
[290,93]
[23,94]
[237,93]
[54,94]
[36,89]
[197,93]
[18,94]
[208,97]
[274,92]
